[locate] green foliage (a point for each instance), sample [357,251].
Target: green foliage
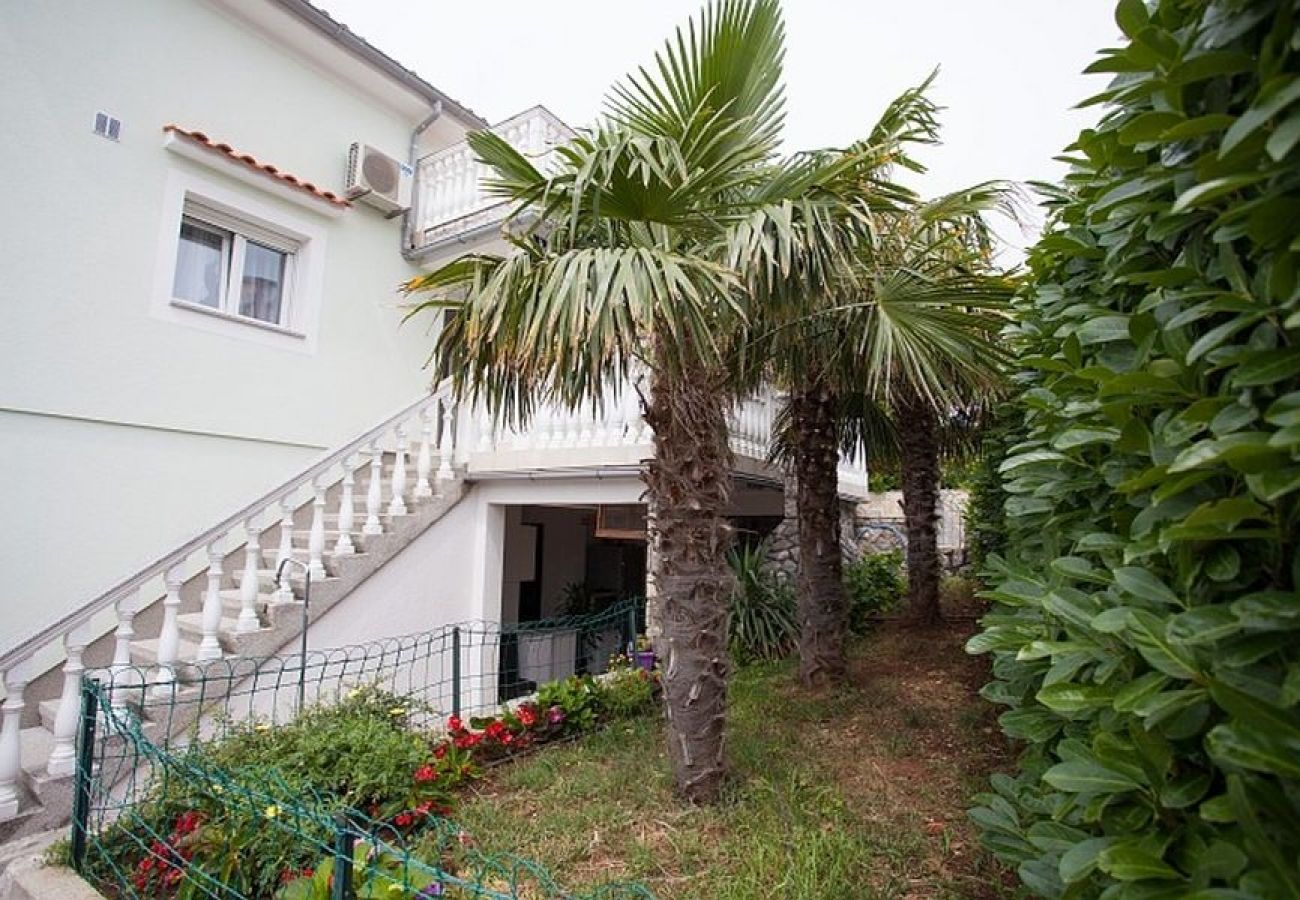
[875,585]
[359,750]
[1145,639]
[764,622]
[986,521]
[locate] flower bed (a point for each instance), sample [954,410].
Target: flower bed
[251,814]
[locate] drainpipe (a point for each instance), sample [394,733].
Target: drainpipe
[412,215]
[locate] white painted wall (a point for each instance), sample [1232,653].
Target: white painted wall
[144,453]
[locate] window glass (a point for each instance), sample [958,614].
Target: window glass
[262,288]
[200,264]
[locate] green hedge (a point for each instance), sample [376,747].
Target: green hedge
[1147,634]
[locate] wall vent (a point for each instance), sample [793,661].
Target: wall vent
[108,127]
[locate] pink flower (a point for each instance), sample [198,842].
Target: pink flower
[555,715]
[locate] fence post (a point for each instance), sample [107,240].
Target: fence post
[344,841]
[455,671]
[85,761]
[631,631]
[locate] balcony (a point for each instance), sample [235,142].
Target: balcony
[616,437]
[450,201]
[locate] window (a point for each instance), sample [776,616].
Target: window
[233,267]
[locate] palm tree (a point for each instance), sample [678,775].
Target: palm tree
[912,302]
[927,327]
[639,255]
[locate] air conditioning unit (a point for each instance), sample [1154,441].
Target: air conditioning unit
[376,178]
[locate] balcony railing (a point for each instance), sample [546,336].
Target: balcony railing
[450,199]
[616,435]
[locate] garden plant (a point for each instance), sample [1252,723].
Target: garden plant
[1146,638]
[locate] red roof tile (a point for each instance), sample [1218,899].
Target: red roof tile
[252,162]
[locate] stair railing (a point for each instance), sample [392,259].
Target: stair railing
[433,418]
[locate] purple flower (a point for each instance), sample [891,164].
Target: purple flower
[432,890]
[555,715]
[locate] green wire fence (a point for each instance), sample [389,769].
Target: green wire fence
[158,814]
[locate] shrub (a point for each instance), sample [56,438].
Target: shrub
[764,621]
[875,585]
[1145,639]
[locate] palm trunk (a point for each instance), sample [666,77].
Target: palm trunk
[823,609]
[687,482]
[919,471]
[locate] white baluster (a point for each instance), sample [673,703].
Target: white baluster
[248,620]
[210,645]
[587,425]
[397,485]
[374,497]
[424,460]
[347,512]
[120,672]
[316,537]
[63,755]
[446,447]
[284,590]
[11,748]
[630,427]
[169,638]
[485,435]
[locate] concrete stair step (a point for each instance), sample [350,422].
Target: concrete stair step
[144,654]
[191,627]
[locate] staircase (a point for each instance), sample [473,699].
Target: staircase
[216,599]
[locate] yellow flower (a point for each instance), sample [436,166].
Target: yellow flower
[397,711]
[354,693]
[261,726]
[218,789]
[272,811]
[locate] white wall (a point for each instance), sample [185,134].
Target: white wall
[84,238]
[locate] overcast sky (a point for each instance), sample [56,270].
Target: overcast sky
[1009,69]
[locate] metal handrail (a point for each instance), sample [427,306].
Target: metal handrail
[82,614]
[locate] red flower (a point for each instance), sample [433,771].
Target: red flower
[423,808]
[467,740]
[454,724]
[401,820]
[426,773]
[527,715]
[507,739]
[440,751]
[187,822]
[495,730]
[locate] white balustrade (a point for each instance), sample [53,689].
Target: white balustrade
[248,620]
[316,537]
[424,459]
[284,589]
[447,448]
[169,638]
[210,644]
[397,486]
[63,754]
[347,511]
[11,747]
[450,182]
[73,632]
[121,675]
[374,492]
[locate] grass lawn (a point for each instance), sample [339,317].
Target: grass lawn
[845,794]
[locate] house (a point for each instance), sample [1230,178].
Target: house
[211,205]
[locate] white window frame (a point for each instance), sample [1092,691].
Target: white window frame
[248,215]
[235,237]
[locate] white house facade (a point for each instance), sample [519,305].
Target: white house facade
[205,373]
